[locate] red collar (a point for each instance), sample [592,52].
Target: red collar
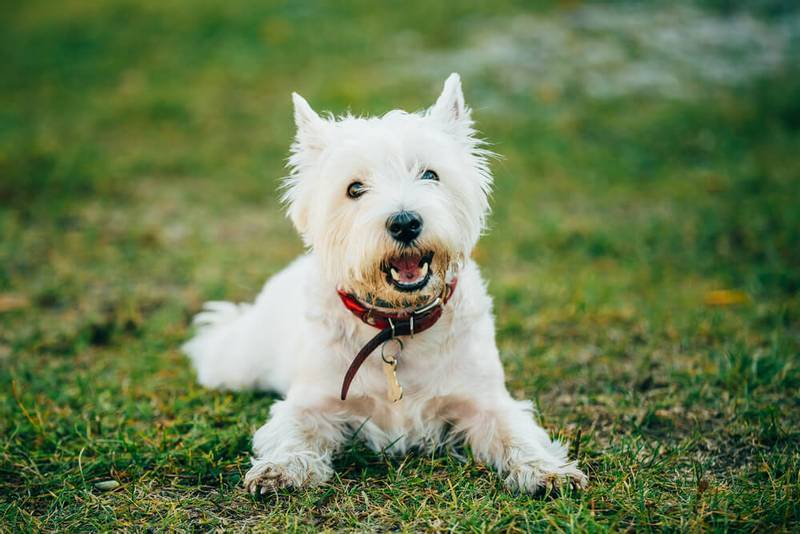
[391,324]
[419,319]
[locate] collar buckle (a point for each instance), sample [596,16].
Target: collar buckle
[428,307]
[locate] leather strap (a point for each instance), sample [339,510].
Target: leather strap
[383,336]
[391,325]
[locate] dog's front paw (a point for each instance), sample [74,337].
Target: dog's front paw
[533,477]
[292,472]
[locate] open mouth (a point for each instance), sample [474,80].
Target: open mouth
[410,271]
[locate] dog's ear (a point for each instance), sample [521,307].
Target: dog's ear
[309,142]
[450,109]
[311,128]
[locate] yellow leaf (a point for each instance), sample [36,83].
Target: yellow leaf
[11,302]
[725,297]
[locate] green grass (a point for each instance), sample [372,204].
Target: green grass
[140,148]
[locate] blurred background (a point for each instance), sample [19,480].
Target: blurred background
[644,250]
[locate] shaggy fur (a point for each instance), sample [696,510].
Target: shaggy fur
[297,339]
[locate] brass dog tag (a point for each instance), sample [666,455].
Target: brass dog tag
[394,391]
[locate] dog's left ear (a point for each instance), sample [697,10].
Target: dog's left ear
[450,110]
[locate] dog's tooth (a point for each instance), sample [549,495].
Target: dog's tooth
[424,270]
[395,274]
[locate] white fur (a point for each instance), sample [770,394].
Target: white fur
[297,339]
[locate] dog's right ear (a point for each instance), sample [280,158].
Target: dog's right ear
[311,128]
[309,142]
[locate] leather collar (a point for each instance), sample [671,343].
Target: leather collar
[391,324]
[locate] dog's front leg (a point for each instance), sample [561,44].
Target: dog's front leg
[503,433]
[295,446]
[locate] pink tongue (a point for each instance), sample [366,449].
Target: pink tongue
[408,267]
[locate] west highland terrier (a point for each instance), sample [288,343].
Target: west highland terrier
[384,329]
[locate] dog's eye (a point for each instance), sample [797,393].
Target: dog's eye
[356,189]
[429,175]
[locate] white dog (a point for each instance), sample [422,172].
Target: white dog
[390,209]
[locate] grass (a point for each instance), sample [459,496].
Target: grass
[644,257]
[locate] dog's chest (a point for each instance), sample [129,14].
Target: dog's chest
[422,416]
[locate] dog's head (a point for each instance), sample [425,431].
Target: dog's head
[392,205]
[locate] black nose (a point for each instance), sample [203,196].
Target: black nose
[404,226]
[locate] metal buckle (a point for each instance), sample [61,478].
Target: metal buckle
[391,324]
[428,307]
